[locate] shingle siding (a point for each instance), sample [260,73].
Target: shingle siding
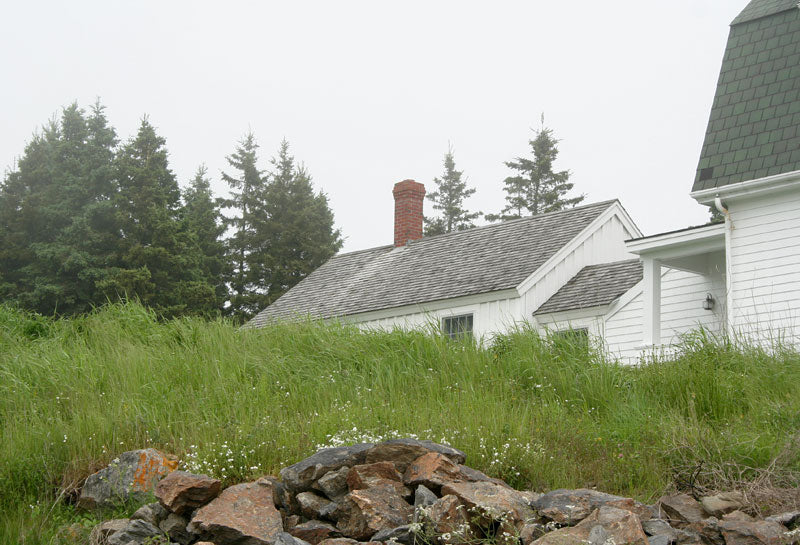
[753,127]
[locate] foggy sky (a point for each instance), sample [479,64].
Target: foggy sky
[371,93]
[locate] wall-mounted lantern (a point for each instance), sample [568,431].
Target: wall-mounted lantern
[708,302]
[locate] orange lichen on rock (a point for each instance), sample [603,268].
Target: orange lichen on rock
[150,469]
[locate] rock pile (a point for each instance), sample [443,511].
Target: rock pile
[415,492]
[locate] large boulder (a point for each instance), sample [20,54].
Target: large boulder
[568,507]
[299,477]
[603,525]
[491,501]
[402,452]
[241,513]
[363,513]
[182,492]
[129,477]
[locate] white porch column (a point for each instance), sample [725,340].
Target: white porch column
[652,301]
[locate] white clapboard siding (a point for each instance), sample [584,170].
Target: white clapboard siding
[764,267]
[682,296]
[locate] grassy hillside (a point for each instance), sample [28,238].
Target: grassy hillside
[238,404]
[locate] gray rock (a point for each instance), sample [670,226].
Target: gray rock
[655,527]
[334,483]
[569,507]
[312,505]
[401,534]
[314,531]
[788,519]
[105,530]
[175,527]
[285,538]
[661,539]
[423,497]
[681,509]
[300,476]
[402,452]
[153,513]
[137,532]
[129,477]
[723,503]
[330,511]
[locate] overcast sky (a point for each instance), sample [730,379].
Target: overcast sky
[371,93]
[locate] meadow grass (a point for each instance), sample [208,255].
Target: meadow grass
[540,413]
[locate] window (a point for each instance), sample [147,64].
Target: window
[457,327]
[575,339]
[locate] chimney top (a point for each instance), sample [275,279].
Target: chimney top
[408,199]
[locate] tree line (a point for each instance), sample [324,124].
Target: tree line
[86,218]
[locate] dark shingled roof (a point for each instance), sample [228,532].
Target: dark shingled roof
[753,130]
[594,286]
[479,260]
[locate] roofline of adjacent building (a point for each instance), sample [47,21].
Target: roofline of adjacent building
[704,237]
[749,188]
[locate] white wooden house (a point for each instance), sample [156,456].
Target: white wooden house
[589,267]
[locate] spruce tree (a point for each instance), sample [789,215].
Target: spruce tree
[536,188]
[203,220]
[157,260]
[247,190]
[448,197]
[296,234]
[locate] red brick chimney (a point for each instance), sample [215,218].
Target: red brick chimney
[408,197]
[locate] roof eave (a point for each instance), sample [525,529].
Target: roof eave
[750,188]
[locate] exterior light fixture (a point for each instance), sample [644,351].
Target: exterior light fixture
[708,303]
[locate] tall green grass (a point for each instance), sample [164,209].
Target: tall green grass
[540,413]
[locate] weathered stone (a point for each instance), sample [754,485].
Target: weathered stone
[531,532]
[530,496]
[708,531]
[492,501]
[656,527]
[474,475]
[365,512]
[153,513]
[300,476]
[569,507]
[755,532]
[433,469]
[175,527]
[661,539]
[721,504]
[401,534]
[285,538]
[136,532]
[379,473]
[404,451]
[448,516]
[680,509]
[423,497]
[243,512]
[129,477]
[312,505]
[314,531]
[338,541]
[738,516]
[290,521]
[105,530]
[788,519]
[619,525]
[334,483]
[330,511]
[182,492]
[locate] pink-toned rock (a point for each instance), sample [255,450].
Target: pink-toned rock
[314,531]
[376,474]
[681,509]
[404,451]
[566,506]
[602,525]
[754,532]
[365,512]
[492,501]
[449,518]
[433,470]
[243,512]
[181,492]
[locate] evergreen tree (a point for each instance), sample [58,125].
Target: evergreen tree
[157,260]
[203,220]
[449,196]
[296,233]
[247,199]
[536,188]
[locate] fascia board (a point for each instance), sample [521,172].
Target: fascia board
[703,239]
[749,188]
[614,210]
[572,314]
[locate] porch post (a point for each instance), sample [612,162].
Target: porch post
[652,301]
